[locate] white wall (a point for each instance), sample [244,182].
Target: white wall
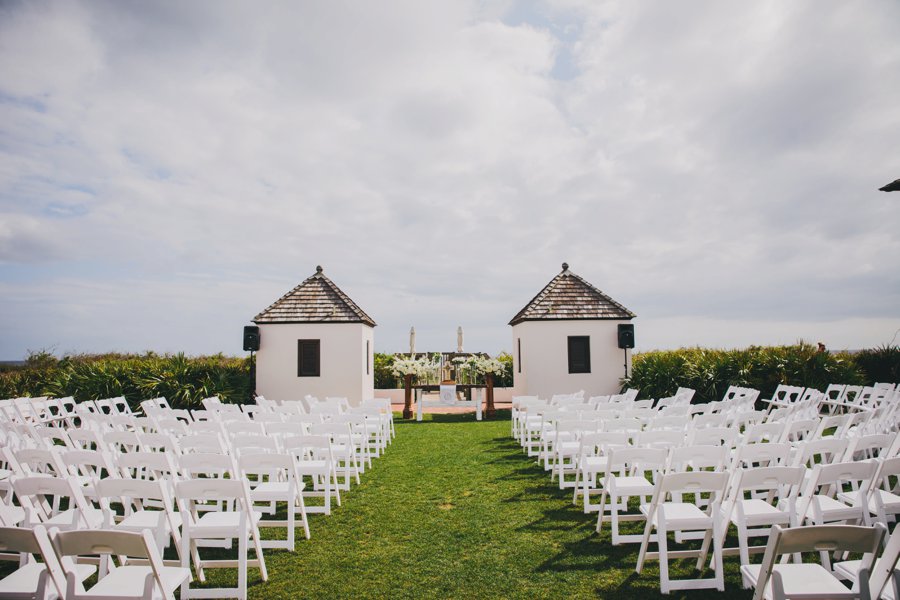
[545,358]
[342,370]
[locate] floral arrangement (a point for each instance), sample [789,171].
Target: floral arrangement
[486,365]
[411,366]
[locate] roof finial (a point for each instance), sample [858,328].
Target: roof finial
[565,266]
[318,268]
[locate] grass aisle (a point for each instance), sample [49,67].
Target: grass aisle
[455,510]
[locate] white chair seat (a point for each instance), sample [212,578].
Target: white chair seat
[272,490]
[890,500]
[797,579]
[11,515]
[217,523]
[129,580]
[758,512]
[68,518]
[25,579]
[634,486]
[681,515]
[849,569]
[313,467]
[835,509]
[148,519]
[594,463]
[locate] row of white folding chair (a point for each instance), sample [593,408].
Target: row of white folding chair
[745,512]
[854,398]
[36,411]
[91,462]
[61,573]
[40,496]
[553,458]
[590,460]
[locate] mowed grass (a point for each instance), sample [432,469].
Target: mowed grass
[455,510]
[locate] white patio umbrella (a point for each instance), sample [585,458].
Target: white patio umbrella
[412,341]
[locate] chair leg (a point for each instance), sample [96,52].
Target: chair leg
[743,544]
[662,542]
[602,509]
[642,554]
[242,565]
[614,518]
[717,556]
[305,519]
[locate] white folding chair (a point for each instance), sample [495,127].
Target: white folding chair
[33,579]
[774,581]
[885,579]
[884,495]
[761,455]
[342,450]
[41,496]
[752,514]
[825,499]
[667,515]
[127,581]
[313,458]
[273,479]
[139,504]
[87,467]
[592,460]
[625,478]
[240,523]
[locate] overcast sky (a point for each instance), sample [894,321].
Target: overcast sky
[169,169]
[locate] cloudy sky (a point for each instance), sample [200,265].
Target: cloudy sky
[168,169]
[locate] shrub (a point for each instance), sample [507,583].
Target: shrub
[384,375]
[184,381]
[880,364]
[710,372]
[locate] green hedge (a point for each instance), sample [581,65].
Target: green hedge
[710,372]
[184,381]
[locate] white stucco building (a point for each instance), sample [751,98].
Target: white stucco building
[315,340]
[566,340]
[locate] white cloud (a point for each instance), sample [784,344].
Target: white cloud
[705,163]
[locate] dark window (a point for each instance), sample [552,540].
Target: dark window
[307,358]
[519,352]
[579,354]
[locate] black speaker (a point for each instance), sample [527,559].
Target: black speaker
[626,335]
[251,338]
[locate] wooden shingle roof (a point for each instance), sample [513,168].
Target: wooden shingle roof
[316,300]
[568,296]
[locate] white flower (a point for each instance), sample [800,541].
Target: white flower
[487,365]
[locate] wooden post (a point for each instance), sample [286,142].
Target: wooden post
[407,397]
[489,383]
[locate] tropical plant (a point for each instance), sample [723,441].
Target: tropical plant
[660,373]
[880,364]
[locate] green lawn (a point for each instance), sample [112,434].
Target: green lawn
[455,510]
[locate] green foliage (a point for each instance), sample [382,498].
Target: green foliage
[384,376]
[880,364]
[183,380]
[710,372]
[505,380]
